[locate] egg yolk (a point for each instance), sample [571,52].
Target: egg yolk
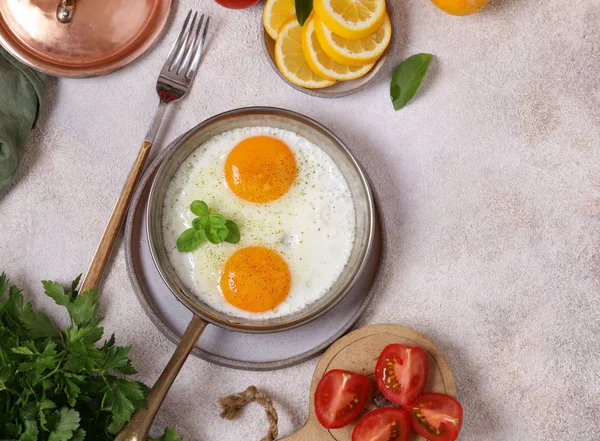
[260,169]
[255,279]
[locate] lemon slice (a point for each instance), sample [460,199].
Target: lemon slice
[321,63]
[355,52]
[351,19]
[290,60]
[460,7]
[276,14]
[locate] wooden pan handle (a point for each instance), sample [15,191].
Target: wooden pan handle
[138,427]
[94,274]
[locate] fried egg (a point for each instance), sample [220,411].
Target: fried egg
[294,210]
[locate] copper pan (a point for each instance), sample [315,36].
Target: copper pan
[99,38]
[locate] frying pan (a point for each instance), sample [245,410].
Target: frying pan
[141,421]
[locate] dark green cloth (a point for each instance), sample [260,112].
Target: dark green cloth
[21,92]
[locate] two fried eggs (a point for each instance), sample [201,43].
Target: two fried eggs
[295,214]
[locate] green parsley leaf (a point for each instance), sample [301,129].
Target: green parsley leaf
[56,291]
[234,232]
[31,431]
[84,308]
[22,350]
[115,426]
[79,435]
[75,284]
[48,359]
[199,208]
[169,435]
[407,78]
[73,391]
[38,324]
[109,343]
[67,423]
[43,405]
[116,359]
[303,10]
[86,334]
[2,285]
[14,307]
[127,395]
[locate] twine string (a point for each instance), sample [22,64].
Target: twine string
[233,404]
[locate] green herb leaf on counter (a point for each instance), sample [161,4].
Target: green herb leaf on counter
[169,435]
[213,227]
[407,79]
[56,384]
[303,10]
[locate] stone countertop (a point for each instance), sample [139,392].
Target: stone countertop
[489,183]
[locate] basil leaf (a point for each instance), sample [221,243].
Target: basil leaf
[407,79]
[213,227]
[199,208]
[234,232]
[217,234]
[303,10]
[200,223]
[189,240]
[216,219]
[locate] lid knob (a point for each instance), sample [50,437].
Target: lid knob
[65,10]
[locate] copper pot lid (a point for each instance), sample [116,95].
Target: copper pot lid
[79,38]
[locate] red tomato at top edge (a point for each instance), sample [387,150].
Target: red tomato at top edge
[236,4]
[386,424]
[340,397]
[437,417]
[401,373]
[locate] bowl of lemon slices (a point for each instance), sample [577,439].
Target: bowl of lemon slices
[339,48]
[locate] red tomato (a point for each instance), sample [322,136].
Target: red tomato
[236,4]
[385,424]
[340,397]
[401,373]
[437,417]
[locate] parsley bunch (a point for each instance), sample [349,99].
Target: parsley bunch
[58,385]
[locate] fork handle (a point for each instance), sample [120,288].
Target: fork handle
[98,265]
[96,269]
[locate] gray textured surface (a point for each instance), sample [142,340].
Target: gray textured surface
[491,200]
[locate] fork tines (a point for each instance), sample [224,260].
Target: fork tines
[184,58]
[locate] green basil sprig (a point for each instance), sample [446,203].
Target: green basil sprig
[407,79]
[213,227]
[303,10]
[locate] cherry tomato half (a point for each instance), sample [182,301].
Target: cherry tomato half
[236,4]
[401,373]
[385,424]
[340,397]
[437,417]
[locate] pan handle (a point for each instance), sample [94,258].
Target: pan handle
[138,427]
[65,10]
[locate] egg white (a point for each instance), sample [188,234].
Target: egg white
[312,226]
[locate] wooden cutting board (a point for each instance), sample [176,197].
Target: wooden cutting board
[358,352]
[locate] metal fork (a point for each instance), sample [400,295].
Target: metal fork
[174,81]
